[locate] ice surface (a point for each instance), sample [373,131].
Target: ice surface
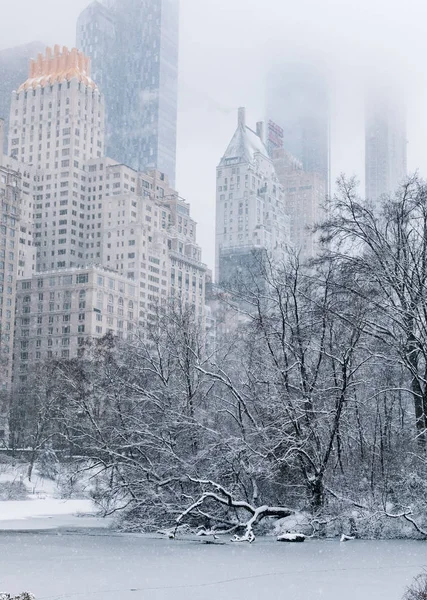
[100,565]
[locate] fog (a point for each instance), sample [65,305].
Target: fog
[229,46]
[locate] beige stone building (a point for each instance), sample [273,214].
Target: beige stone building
[250,207]
[58,311]
[56,126]
[149,235]
[82,213]
[305,195]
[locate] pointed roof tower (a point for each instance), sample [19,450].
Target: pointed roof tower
[245,142]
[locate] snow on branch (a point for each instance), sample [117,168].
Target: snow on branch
[407,515]
[23,596]
[222,496]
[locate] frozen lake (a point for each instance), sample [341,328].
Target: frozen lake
[100,565]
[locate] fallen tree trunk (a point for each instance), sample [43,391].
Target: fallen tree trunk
[216,492]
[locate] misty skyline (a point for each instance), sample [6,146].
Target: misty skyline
[374,38]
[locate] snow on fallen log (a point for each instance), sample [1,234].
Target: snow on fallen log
[215,492]
[291,537]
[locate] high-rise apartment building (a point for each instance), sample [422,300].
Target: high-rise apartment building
[133,45]
[58,311]
[148,235]
[56,126]
[297,99]
[101,246]
[305,196]
[13,69]
[385,143]
[250,205]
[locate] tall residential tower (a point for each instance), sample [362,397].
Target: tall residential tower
[56,126]
[133,45]
[101,247]
[297,100]
[305,196]
[250,207]
[385,143]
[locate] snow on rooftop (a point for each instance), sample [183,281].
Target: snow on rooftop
[244,145]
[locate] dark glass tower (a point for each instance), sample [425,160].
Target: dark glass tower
[133,45]
[298,101]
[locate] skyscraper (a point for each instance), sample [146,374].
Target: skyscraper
[133,45]
[13,69]
[385,143]
[100,246]
[297,100]
[56,126]
[250,209]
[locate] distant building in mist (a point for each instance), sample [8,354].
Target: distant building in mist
[297,99]
[385,143]
[133,46]
[13,70]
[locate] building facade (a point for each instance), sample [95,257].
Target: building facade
[100,246]
[385,144]
[133,45]
[305,197]
[149,235]
[56,126]
[250,205]
[58,311]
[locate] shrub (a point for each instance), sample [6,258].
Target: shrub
[13,490]
[418,589]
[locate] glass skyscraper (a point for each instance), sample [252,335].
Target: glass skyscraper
[133,45]
[385,142]
[298,101]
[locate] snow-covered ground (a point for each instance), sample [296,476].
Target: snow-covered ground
[43,508]
[99,565]
[48,513]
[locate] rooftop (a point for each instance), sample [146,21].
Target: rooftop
[244,144]
[57,67]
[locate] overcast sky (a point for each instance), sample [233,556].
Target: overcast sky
[227,47]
